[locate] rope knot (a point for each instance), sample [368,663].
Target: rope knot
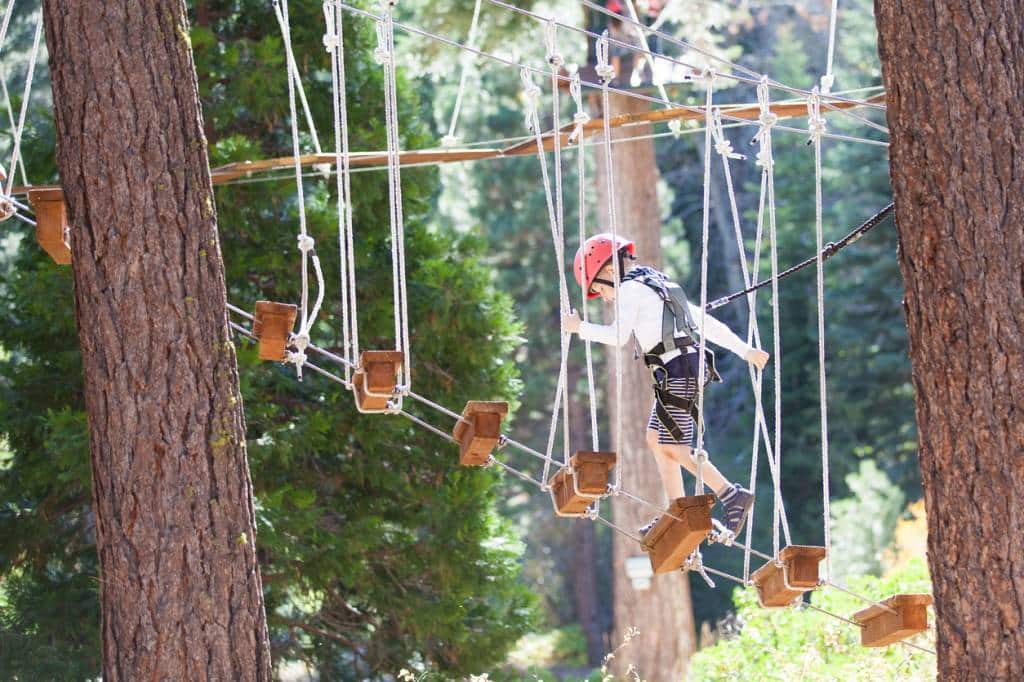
[298,357]
[826,83]
[449,141]
[381,54]
[675,126]
[331,42]
[531,95]
[306,243]
[722,144]
[816,124]
[768,119]
[604,70]
[708,75]
[554,58]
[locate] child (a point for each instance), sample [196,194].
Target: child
[655,312]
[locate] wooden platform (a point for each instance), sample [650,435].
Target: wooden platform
[575,487]
[52,231]
[670,542]
[272,325]
[478,438]
[881,627]
[779,586]
[375,379]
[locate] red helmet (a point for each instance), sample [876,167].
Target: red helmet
[594,255]
[614,6]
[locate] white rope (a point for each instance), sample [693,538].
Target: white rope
[724,148]
[709,83]
[556,61]
[625,93]
[531,97]
[766,161]
[580,119]
[20,129]
[281,11]
[334,42]
[385,56]
[675,125]
[828,79]
[306,243]
[606,72]
[816,126]
[10,121]
[450,140]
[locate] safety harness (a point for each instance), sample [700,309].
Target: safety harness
[675,318]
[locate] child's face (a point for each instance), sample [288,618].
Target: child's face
[607,293]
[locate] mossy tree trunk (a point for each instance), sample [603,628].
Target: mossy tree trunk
[954,81]
[180,587]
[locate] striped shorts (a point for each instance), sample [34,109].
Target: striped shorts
[684,387]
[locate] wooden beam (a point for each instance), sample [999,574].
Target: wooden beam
[750,112]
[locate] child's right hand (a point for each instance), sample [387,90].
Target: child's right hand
[571,322]
[758,358]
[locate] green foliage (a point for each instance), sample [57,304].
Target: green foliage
[864,524]
[376,550]
[798,643]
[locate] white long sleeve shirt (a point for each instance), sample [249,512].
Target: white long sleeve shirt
[640,310]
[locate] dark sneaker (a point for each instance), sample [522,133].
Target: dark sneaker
[737,508]
[650,524]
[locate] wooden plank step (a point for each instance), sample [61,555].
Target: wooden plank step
[478,438]
[52,231]
[779,586]
[272,325]
[575,487]
[881,627]
[375,379]
[670,542]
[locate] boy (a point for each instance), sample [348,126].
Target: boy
[655,312]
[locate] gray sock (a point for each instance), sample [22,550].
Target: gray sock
[726,494]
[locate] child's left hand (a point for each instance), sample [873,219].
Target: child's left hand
[758,358]
[571,322]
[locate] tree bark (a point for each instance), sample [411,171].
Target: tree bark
[180,587]
[663,614]
[953,79]
[583,574]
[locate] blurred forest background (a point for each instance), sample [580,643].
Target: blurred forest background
[378,553]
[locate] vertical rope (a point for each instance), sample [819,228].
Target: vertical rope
[385,56]
[293,70]
[816,126]
[305,242]
[20,129]
[828,79]
[606,73]
[531,96]
[10,121]
[580,119]
[709,83]
[765,159]
[450,140]
[334,42]
[555,61]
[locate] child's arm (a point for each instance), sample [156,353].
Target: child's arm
[719,334]
[629,310]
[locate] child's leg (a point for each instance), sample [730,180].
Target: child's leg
[668,469]
[683,454]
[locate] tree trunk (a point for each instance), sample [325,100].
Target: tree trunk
[663,614]
[179,584]
[953,78]
[583,574]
